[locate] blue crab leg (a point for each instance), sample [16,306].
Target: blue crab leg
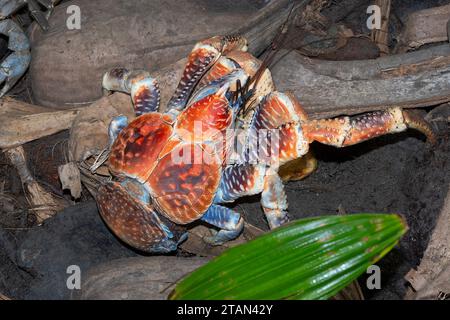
[136,223]
[241,180]
[8,7]
[15,65]
[274,200]
[115,126]
[229,221]
[202,57]
[139,84]
[214,86]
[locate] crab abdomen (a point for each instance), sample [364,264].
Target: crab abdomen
[137,147]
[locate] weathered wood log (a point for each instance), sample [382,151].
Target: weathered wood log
[432,277]
[329,88]
[424,27]
[22,122]
[140,278]
[68,65]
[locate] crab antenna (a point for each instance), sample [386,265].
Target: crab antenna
[274,47]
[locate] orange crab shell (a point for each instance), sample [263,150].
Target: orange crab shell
[182,174]
[137,147]
[184,190]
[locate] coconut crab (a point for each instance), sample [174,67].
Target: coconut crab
[228,95]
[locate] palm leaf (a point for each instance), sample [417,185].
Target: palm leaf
[311,258]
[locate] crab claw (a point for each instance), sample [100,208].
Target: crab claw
[136,223]
[15,65]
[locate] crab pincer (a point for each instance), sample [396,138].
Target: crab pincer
[136,223]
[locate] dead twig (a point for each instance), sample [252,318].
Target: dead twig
[381,36]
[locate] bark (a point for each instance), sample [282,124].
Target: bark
[431,280]
[328,88]
[140,278]
[22,122]
[423,27]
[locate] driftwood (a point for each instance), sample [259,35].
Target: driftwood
[381,36]
[327,88]
[140,278]
[69,175]
[424,27]
[22,122]
[431,280]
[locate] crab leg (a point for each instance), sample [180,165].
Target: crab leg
[229,221]
[15,65]
[247,179]
[274,200]
[202,57]
[116,125]
[346,131]
[8,7]
[139,84]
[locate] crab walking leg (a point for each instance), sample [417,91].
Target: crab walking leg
[230,222]
[274,200]
[139,84]
[346,131]
[200,60]
[8,7]
[15,65]
[247,179]
[116,125]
